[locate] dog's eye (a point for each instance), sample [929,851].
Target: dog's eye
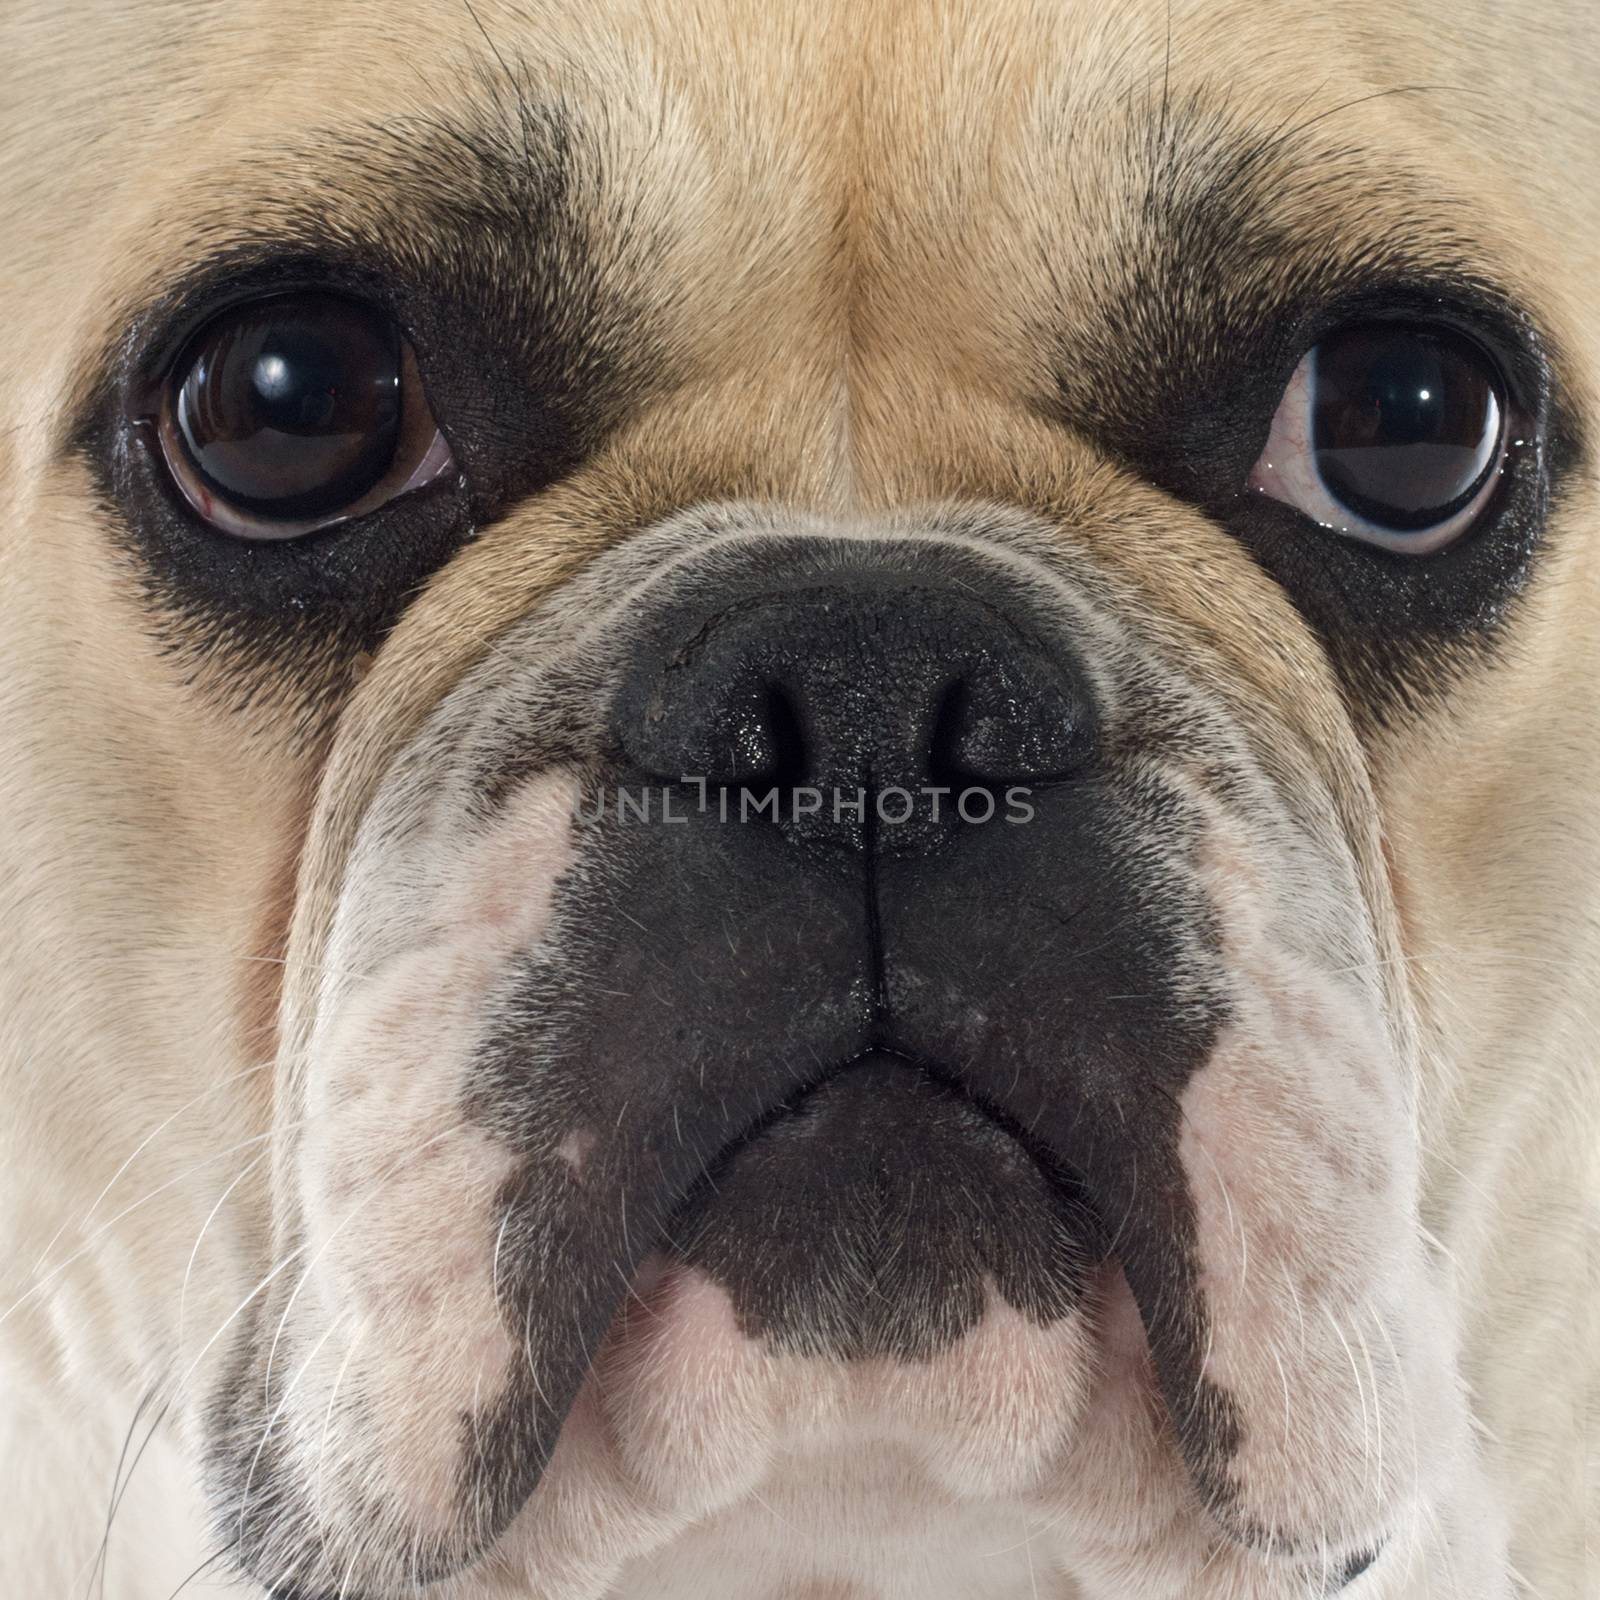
[295,412]
[1391,434]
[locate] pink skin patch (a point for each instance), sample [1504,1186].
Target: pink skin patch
[685,1419]
[575,1149]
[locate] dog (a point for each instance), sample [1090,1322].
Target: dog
[799,800]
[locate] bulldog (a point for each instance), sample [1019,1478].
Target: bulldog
[799,800]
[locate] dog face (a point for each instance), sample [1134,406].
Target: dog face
[780,762]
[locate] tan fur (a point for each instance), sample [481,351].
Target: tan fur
[853,225]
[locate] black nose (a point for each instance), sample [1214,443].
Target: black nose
[863,681]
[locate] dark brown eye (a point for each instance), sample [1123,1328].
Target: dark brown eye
[294,412]
[1391,434]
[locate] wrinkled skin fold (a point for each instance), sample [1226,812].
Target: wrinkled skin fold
[419,1177]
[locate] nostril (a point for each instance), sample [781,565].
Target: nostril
[755,739]
[948,755]
[676,726]
[725,737]
[873,681]
[786,740]
[1019,721]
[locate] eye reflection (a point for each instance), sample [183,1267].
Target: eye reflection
[1391,434]
[294,413]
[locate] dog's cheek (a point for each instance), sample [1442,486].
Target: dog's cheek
[402,1190]
[402,1204]
[1297,1146]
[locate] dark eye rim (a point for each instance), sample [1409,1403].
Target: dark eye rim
[564,371]
[525,389]
[1508,338]
[312,600]
[1518,438]
[166,335]
[1537,411]
[1185,405]
[1397,624]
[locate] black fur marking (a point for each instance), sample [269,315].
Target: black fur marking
[1180,367]
[895,1195]
[470,234]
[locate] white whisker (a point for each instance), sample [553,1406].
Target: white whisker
[390,1172]
[144,1144]
[145,1199]
[183,1292]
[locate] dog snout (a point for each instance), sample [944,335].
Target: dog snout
[854,684]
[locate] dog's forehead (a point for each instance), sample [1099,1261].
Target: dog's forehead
[951,179]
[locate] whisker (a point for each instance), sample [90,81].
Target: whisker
[390,1172]
[97,1562]
[105,1227]
[344,1582]
[127,1482]
[327,1420]
[143,1144]
[272,1421]
[210,1561]
[300,1249]
[183,1293]
[300,965]
[1361,1393]
[272,1273]
[1377,1417]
